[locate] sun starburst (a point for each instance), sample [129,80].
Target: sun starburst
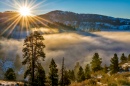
[25,11]
[23,17]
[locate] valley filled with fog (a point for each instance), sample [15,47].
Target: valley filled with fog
[74,47]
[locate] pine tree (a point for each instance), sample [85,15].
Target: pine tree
[114,68]
[96,63]
[87,72]
[71,75]
[81,76]
[129,57]
[123,58]
[53,74]
[40,77]
[64,76]
[105,69]
[32,52]
[10,75]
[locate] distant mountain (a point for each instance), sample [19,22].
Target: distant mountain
[63,21]
[85,22]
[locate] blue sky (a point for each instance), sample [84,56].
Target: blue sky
[115,8]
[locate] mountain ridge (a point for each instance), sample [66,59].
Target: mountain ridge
[87,21]
[86,13]
[67,21]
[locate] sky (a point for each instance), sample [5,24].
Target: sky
[114,8]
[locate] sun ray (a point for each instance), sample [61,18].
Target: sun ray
[7,29]
[25,17]
[11,18]
[15,17]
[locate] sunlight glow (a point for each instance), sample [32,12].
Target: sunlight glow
[25,11]
[23,18]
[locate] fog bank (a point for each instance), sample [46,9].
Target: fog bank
[74,47]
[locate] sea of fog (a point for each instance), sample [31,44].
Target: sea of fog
[74,47]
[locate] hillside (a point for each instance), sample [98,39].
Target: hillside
[61,21]
[87,21]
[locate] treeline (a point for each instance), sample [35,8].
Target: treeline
[58,25]
[77,74]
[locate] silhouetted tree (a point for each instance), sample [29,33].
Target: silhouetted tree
[96,63]
[40,77]
[64,76]
[53,74]
[87,72]
[123,58]
[10,74]
[32,52]
[62,73]
[81,76]
[114,68]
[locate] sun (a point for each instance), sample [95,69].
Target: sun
[25,11]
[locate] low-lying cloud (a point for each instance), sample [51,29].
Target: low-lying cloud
[74,47]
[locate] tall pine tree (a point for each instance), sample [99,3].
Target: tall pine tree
[32,52]
[53,74]
[81,76]
[62,74]
[96,63]
[40,77]
[64,80]
[114,68]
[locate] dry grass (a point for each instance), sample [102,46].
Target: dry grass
[119,79]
